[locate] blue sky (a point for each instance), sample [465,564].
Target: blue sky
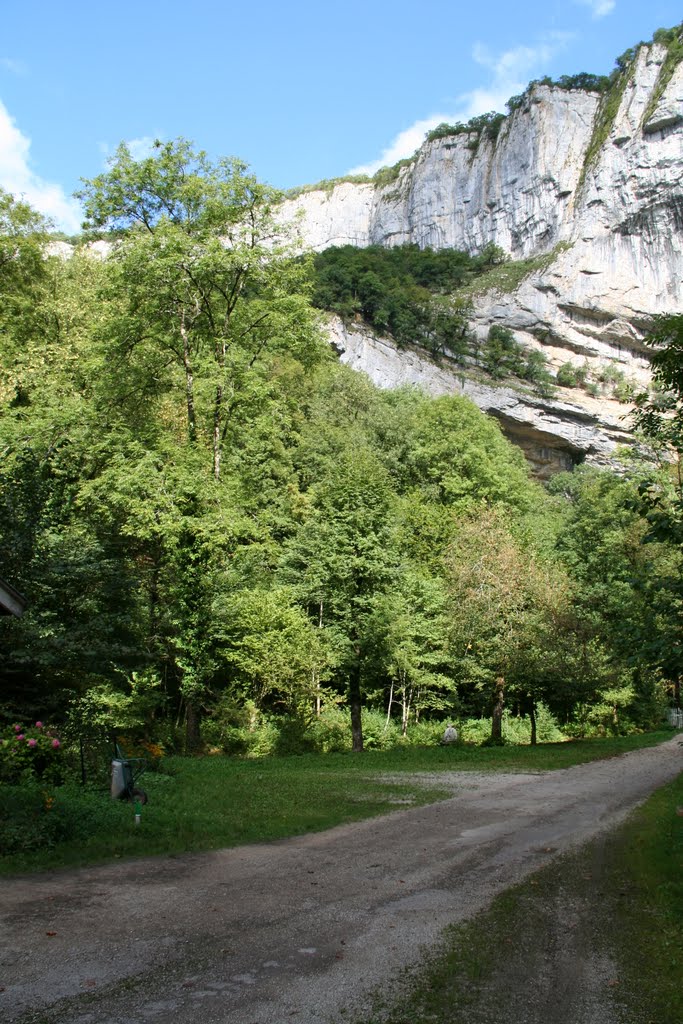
[300,91]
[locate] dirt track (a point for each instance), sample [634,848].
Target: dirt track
[299,929]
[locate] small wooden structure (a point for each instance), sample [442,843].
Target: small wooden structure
[11,601]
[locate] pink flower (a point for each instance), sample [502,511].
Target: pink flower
[17,728]
[21,736]
[32,743]
[56,743]
[39,725]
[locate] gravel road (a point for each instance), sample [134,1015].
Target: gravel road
[300,929]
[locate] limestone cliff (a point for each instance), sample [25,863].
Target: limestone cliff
[594,182]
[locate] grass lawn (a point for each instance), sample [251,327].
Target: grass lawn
[211,802]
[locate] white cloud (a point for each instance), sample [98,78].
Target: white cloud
[510,73]
[139,149]
[17,176]
[599,8]
[16,67]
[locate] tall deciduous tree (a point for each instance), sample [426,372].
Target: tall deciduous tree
[202,299]
[206,285]
[342,557]
[409,626]
[502,598]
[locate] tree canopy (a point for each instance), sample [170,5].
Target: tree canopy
[215,522]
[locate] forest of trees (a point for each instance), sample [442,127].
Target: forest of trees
[403,291]
[216,525]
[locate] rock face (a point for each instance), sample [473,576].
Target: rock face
[555,434]
[603,197]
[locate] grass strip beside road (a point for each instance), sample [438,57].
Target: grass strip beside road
[597,935]
[207,803]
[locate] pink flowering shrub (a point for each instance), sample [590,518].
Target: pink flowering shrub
[29,752]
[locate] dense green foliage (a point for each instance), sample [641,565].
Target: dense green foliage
[404,291]
[420,297]
[502,356]
[659,420]
[219,527]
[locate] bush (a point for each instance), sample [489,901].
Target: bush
[294,737]
[623,391]
[30,753]
[502,355]
[36,818]
[536,371]
[475,730]
[377,735]
[570,376]
[516,728]
[242,729]
[566,376]
[331,730]
[425,733]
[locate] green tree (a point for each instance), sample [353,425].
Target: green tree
[502,601]
[24,281]
[618,605]
[409,627]
[206,287]
[460,457]
[341,558]
[273,650]
[659,418]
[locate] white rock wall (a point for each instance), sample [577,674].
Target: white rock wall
[620,219]
[555,433]
[624,222]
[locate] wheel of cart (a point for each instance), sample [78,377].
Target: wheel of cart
[125,771]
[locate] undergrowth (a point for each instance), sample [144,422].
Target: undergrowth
[506,277]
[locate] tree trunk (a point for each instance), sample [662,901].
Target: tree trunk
[497,715]
[532,719]
[405,701]
[316,672]
[317,706]
[407,696]
[390,702]
[355,705]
